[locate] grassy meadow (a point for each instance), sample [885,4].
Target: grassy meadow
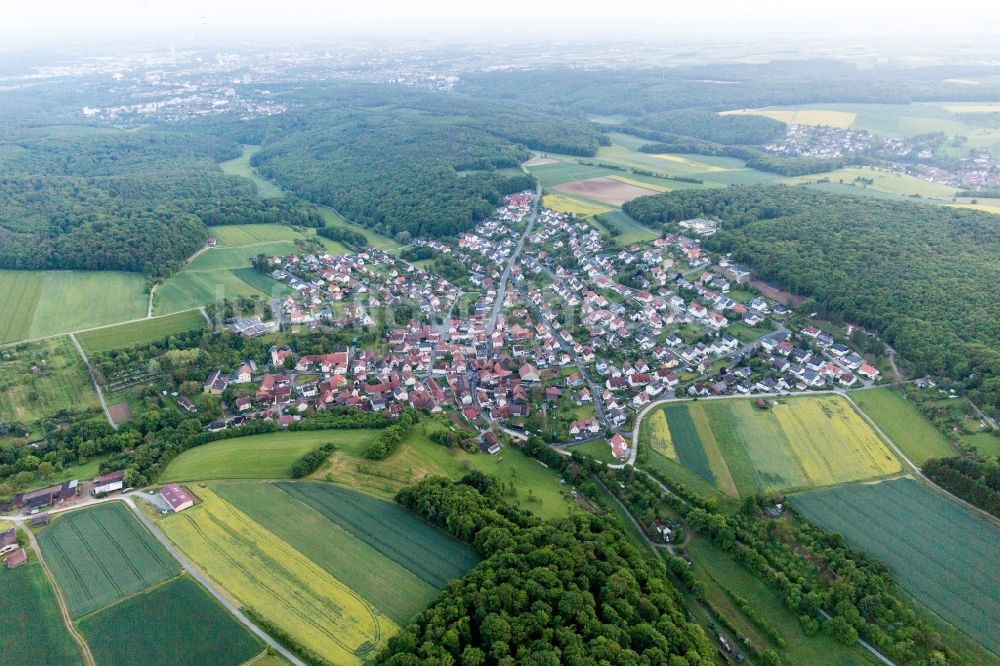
[240,166]
[41,303]
[190,289]
[31,628]
[528,483]
[579,207]
[279,583]
[629,231]
[884,181]
[140,332]
[59,380]
[903,423]
[937,550]
[174,624]
[803,442]
[267,456]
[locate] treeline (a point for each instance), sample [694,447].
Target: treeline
[973,478]
[89,199]
[344,236]
[710,126]
[813,570]
[890,266]
[568,591]
[387,441]
[755,158]
[312,461]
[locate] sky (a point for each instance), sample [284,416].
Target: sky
[43,22]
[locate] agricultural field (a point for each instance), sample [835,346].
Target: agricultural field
[885,181]
[267,456]
[40,303]
[938,551]
[39,379]
[430,554]
[604,190]
[101,555]
[530,485]
[903,423]
[629,231]
[31,628]
[240,166]
[277,582]
[804,116]
[559,172]
[654,184]
[190,289]
[174,623]
[803,442]
[140,332]
[375,576]
[578,207]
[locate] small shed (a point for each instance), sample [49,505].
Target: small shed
[178,498]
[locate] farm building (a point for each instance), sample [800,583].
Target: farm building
[47,496]
[176,497]
[108,483]
[16,558]
[8,541]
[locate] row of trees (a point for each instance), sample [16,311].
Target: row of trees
[571,591]
[922,276]
[971,477]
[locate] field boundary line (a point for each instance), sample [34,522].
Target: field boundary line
[93,379]
[88,656]
[14,343]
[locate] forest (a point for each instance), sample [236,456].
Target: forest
[710,126]
[573,591]
[77,197]
[973,478]
[924,277]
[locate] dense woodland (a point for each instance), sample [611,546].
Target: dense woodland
[924,277]
[973,478]
[573,591]
[77,197]
[710,126]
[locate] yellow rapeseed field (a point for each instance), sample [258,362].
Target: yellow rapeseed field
[701,166]
[280,584]
[832,443]
[659,434]
[841,119]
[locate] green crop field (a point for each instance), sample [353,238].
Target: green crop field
[884,181]
[267,456]
[39,379]
[804,442]
[550,175]
[174,623]
[101,555]
[140,332]
[937,550]
[629,231]
[240,166]
[40,303]
[31,627]
[375,239]
[195,288]
[422,549]
[900,420]
[377,577]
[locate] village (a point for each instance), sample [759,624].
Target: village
[583,337]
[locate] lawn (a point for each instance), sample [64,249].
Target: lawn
[937,550]
[140,332]
[101,555]
[174,623]
[804,442]
[529,484]
[267,456]
[430,554]
[278,582]
[720,574]
[40,303]
[240,166]
[903,423]
[39,379]
[31,628]
[378,578]
[598,449]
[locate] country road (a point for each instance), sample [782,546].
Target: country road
[93,378]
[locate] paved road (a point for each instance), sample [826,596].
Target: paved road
[90,371]
[195,573]
[491,323]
